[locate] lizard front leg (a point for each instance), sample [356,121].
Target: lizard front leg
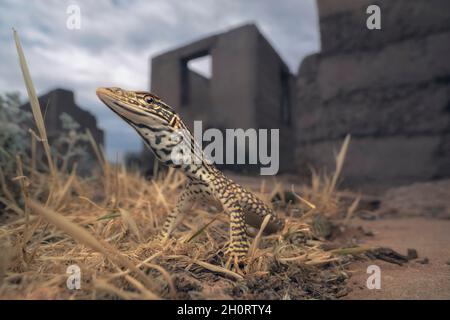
[238,247]
[184,203]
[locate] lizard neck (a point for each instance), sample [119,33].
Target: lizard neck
[197,167]
[204,173]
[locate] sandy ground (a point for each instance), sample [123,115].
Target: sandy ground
[431,239]
[408,220]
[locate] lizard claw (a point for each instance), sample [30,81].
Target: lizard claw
[236,261]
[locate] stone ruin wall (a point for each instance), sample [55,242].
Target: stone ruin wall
[388,88]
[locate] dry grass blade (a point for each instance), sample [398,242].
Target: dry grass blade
[104,165]
[351,210]
[322,261]
[309,204]
[252,252]
[354,250]
[209,266]
[100,158]
[33,158]
[302,257]
[258,237]
[24,188]
[161,198]
[200,231]
[218,269]
[109,216]
[65,189]
[340,159]
[35,107]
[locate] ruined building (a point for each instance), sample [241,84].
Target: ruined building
[388,88]
[250,87]
[53,105]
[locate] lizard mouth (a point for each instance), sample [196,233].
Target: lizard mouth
[105,96]
[101,92]
[113,101]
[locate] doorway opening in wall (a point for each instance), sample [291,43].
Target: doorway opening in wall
[202,66]
[195,68]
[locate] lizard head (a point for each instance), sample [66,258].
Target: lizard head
[153,119]
[139,107]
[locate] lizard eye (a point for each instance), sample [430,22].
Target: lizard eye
[149,99]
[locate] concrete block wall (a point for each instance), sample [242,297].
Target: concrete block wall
[388,88]
[341,21]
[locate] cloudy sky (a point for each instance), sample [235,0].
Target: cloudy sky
[118,37]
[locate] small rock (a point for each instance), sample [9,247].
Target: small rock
[412,254]
[368,233]
[448,262]
[388,255]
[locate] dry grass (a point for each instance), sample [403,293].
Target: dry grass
[111,238]
[107,225]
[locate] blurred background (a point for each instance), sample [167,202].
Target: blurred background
[312,69]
